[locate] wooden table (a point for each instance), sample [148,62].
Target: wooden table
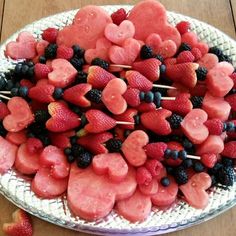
[14,14]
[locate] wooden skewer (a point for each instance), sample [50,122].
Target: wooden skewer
[168,98]
[122,66]
[5,97]
[163,86]
[120,122]
[194,157]
[5,92]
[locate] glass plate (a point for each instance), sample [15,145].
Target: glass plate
[16,187]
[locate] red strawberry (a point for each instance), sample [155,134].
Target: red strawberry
[26,83]
[119,16]
[34,145]
[209,160]
[183,27]
[156,150]
[156,121]
[138,81]
[145,107]
[231,99]
[181,105]
[215,126]
[132,97]
[196,53]
[98,121]
[76,95]
[128,116]
[98,77]
[65,52]
[21,225]
[230,149]
[183,73]
[50,35]
[95,142]
[41,71]
[233,77]
[62,119]
[170,61]
[61,140]
[3,110]
[184,57]
[43,94]
[148,68]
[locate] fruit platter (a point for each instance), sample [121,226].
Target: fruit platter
[113,126]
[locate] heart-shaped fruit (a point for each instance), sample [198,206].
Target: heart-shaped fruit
[42,93]
[195,190]
[76,94]
[193,126]
[154,41]
[208,61]
[150,188]
[131,96]
[23,48]
[156,121]
[133,148]
[126,54]
[20,115]
[62,119]
[156,11]
[98,121]
[111,163]
[101,51]
[118,34]
[63,73]
[89,25]
[112,96]
[17,137]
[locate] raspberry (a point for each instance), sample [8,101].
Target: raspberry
[119,16]
[215,126]
[154,167]
[196,53]
[209,160]
[65,52]
[50,35]
[41,71]
[143,176]
[185,56]
[183,27]
[34,145]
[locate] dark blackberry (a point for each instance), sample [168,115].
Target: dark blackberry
[180,175]
[201,73]
[214,170]
[67,151]
[3,82]
[41,116]
[198,167]
[23,91]
[30,72]
[187,163]
[224,57]
[215,50]
[58,92]
[227,161]
[184,47]
[14,92]
[160,58]
[51,51]
[146,52]
[175,121]
[77,63]
[42,60]
[3,131]
[99,62]
[113,145]
[94,95]
[226,175]
[78,51]
[149,97]
[81,77]
[84,160]
[165,181]
[196,101]
[76,150]
[37,128]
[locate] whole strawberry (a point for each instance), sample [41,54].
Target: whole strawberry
[119,16]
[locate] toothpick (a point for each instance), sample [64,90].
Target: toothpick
[163,86]
[5,92]
[194,157]
[121,66]
[168,98]
[5,97]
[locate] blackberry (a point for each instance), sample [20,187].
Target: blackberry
[94,95]
[201,73]
[175,121]
[160,58]
[169,170]
[3,131]
[224,57]
[227,161]
[187,163]
[113,145]
[78,51]
[77,150]
[198,166]
[58,92]
[226,175]
[196,101]
[42,60]
[180,175]
[81,77]
[44,139]
[84,160]
[215,50]
[51,51]
[146,52]
[77,63]
[165,181]
[23,91]
[214,170]
[41,116]
[99,62]
[184,47]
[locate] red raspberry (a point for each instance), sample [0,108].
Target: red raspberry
[183,27]
[209,160]
[154,167]
[65,52]
[156,150]
[185,56]
[34,145]
[41,70]
[143,176]
[3,110]
[233,77]
[119,16]
[215,126]
[50,35]
[196,53]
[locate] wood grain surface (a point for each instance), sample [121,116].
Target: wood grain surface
[14,14]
